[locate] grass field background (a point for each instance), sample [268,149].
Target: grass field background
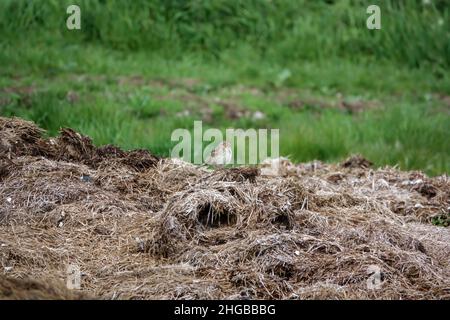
[137,70]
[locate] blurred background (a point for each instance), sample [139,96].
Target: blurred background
[139,69]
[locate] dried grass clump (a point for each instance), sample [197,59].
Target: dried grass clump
[140,227]
[240,174]
[356,161]
[39,185]
[30,289]
[20,137]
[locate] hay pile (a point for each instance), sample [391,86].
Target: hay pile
[140,227]
[30,289]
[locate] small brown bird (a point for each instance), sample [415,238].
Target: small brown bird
[221,155]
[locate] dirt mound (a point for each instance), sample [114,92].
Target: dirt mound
[140,227]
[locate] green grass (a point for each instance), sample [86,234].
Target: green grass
[131,73]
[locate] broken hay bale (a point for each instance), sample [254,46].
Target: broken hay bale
[333,199]
[273,264]
[275,203]
[336,177]
[140,159]
[88,214]
[188,212]
[23,138]
[207,207]
[43,289]
[174,230]
[20,129]
[137,159]
[20,137]
[252,284]
[180,172]
[278,167]
[239,174]
[346,234]
[38,185]
[6,166]
[427,190]
[110,152]
[219,204]
[356,161]
[74,146]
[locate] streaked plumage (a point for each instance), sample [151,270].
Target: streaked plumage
[221,155]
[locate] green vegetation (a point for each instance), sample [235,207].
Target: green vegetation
[138,70]
[442,220]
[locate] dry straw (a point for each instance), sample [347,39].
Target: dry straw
[140,227]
